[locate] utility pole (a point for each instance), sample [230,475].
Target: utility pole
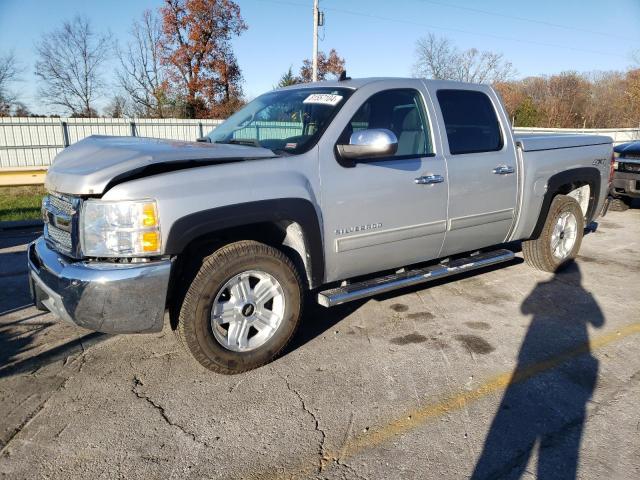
[314,63]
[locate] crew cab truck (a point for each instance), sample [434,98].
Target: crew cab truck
[626,179]
[338,190]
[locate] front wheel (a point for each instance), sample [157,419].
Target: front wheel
[560,238]
[242,307]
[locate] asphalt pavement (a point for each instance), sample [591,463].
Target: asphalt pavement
[506,373]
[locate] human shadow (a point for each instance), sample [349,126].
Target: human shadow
[544,405]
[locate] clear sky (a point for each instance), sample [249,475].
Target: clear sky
[376,37]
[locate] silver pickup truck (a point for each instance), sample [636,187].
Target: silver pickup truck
[334,190]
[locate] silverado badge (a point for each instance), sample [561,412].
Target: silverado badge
[357,228]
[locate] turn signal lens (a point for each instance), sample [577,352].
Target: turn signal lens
[149,217]
[150,242]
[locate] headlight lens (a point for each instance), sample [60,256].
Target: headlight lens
[120,229]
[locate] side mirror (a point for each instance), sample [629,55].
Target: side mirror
[203,139]
[376,142]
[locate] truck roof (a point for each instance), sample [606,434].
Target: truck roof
[356,83]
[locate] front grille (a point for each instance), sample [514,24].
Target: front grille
[60,238]
[629,167]
[632,156]
[60,214]
[62,204]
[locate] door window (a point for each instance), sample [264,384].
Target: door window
[471,121]
[400,111]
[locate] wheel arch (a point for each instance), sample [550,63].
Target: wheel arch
[290,224]
[564,182]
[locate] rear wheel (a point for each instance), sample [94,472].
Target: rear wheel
[560,238]
[242,307]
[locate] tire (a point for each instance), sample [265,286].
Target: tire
[228,286]
[619,204]
[540,253]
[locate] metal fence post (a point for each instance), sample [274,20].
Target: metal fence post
[133,128]
[65,134]
[200,131]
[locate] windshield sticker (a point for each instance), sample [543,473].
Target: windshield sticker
[323,99]
[291,145]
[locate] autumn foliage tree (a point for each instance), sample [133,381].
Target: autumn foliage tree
[196,48]
[331,65]
[328,65]
[574,100]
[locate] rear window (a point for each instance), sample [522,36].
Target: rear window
[471,121]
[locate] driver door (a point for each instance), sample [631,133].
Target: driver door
[376,215]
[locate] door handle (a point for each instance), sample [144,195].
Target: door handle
[503,170]
[429,179]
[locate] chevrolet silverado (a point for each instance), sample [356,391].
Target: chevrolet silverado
[335,191]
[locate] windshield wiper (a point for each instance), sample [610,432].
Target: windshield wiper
[251,142]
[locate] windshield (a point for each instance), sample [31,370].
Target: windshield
[285,121]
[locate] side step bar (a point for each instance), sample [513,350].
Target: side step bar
[376,286]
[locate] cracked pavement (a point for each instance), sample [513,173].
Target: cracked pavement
[510,372]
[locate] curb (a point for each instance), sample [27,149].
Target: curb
[20,225]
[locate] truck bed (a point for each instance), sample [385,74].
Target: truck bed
[532,142]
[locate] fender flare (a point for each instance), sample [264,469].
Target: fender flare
[589,175]
[299,210]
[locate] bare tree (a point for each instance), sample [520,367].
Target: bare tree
[20,110]
[438,58]
[117,107]
[69,65]
[142,75]
[9,72]
[434,58]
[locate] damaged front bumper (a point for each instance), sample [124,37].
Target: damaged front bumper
[100,296]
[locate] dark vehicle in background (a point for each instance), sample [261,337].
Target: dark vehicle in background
[626,179]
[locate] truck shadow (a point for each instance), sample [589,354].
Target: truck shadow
[14,287]
[318,319]
[544,406]
[635,203]
[21,326]
[13,344]
[17,237]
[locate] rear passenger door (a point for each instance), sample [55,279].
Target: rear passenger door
[482,169]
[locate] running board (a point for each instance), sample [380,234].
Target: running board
[376,286]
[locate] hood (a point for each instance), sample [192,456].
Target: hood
[631,147]
[91,165]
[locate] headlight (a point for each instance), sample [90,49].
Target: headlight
[119,229]
[616,155]
[615,165]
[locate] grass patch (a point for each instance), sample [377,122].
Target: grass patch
[21,203]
